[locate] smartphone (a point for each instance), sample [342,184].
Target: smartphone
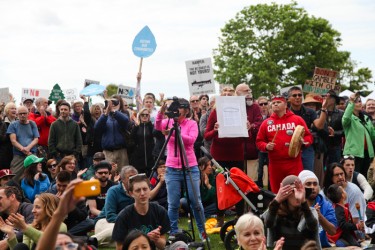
[87,188]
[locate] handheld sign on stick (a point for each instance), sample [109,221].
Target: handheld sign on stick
[144,45]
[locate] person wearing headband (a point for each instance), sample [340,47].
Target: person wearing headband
[275,136]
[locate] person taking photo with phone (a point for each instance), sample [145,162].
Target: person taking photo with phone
[111,127]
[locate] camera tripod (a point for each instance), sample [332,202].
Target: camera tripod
[179,146]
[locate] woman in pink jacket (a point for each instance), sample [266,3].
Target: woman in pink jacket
[174,175]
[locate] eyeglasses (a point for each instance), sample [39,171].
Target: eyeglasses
[105,172]
[144,115]
[194,101]
[23,113]
[99,159]
[52,166]
[295,95]
[263,104]
[70,246]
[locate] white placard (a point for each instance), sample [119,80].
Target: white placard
[200,76]
[231,116]
[28,93]
[4,95]
[70,95]
[126,92]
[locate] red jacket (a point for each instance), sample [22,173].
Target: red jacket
[280,164]
[223,149]
[43,123]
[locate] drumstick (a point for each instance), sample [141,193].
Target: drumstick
[358,207]
[274,137]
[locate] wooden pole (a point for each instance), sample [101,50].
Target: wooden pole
[138,89]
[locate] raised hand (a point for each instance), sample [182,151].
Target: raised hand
[18,221]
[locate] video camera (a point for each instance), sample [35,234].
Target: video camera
[172,111]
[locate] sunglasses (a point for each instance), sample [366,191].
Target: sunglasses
[70,246]
[137,177]
[194,101]
[295,95]
[144,115]
[52,166]
[105,172]
[348,157]
[263,104]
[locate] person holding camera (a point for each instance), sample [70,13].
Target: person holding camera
[174,174]
[111,127]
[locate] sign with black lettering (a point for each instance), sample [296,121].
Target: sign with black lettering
[200,76]
[126,92]
[323,80]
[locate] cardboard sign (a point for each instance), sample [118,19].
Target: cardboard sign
[200,76]
[126,92]
[28,93]
[4,95]
[323,80]
[70,95]
[144,43]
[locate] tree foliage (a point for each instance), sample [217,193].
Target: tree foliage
[354,78]
[273,46]
[111,89]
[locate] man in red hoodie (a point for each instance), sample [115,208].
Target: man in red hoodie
[282,123]
[43,120]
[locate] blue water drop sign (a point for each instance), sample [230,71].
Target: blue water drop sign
[144,43]
[131,93]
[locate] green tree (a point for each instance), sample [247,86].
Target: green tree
[111,89]
[354,78]
[273,46]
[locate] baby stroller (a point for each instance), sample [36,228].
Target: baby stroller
[232,186]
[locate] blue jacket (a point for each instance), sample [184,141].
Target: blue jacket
[110,127]
[39,187]
[328,212]
[115,201]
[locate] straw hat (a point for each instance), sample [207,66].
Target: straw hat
[314,98]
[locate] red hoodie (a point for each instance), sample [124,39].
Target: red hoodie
[43,123]
[280,164]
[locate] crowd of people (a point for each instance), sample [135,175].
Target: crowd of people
[322,191]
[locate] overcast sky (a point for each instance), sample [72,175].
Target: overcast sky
[43,42]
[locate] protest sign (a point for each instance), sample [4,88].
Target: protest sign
[70,95]
[92,89]
[89,82]
[127,93]
[4,95]
[29,93]
[56,94]
[232,116]
[323,80]
[200,76]
[144,43]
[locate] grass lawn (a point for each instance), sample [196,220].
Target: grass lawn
[215,241]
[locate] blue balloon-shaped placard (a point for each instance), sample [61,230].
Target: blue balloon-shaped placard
[92,89]
[144,43]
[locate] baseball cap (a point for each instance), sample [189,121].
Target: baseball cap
[28,99]
[31,159]
[5,172]
[99,156]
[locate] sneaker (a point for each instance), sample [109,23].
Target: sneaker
[203,236]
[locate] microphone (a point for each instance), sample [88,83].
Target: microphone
[219,169]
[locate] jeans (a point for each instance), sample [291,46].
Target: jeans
[308,156]
[174,179]
[209,210]
[333,155]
